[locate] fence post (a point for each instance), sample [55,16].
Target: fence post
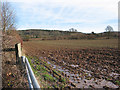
[23,61]
[18,51]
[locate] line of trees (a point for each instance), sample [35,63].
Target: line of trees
[8,19]
[0,17]
[72,30]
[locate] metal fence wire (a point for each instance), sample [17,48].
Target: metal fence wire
[33,84]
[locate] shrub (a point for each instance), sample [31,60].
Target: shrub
[26,38]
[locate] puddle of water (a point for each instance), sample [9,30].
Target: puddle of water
[114,74]
[63,62]
[74,65]
[86,70]
[82,82]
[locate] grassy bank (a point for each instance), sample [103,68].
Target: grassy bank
[47,77]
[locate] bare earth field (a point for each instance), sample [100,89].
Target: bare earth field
[82,63]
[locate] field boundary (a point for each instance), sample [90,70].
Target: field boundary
[1,40]
[26,65]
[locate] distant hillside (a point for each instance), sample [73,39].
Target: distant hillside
[59,35]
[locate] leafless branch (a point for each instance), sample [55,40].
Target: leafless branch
[8,16]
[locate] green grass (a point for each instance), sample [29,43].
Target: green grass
[110,43]
[63,80]
[41,72]
[48,77]
[118,82]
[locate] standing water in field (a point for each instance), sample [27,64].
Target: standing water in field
[80,81]
[86,67]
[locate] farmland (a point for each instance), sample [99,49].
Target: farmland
[104,43]
[75,63]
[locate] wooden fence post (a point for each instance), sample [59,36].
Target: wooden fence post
[18,51]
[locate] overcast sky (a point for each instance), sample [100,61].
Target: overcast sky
[83,15]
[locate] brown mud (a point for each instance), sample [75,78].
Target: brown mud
[84,67]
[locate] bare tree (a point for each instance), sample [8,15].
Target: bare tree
[109,29]
[72,30]
[0,17]
[8,17]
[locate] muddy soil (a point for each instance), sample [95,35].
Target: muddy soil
[85,68]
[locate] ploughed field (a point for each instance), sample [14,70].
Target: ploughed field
[75,63]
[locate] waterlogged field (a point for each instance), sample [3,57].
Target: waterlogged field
[75,63]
